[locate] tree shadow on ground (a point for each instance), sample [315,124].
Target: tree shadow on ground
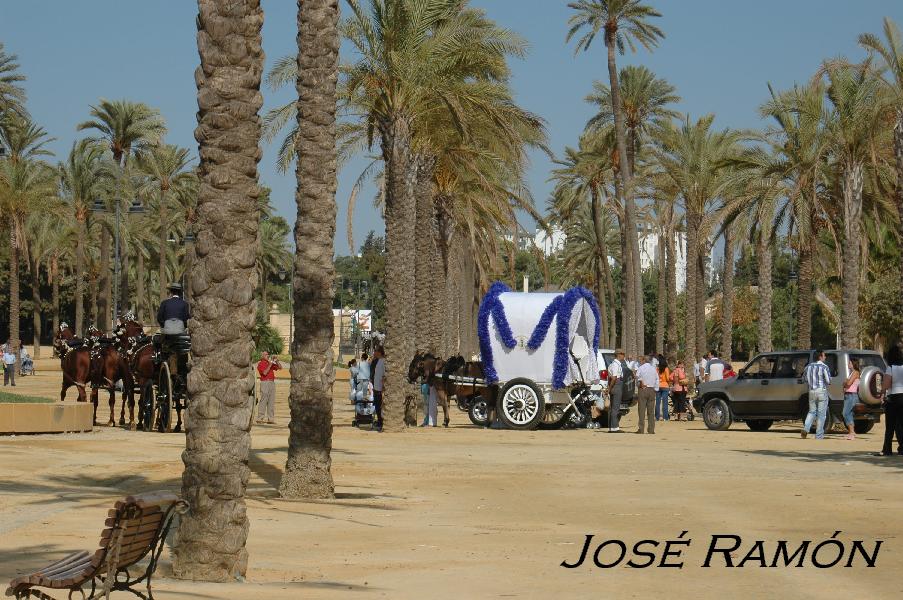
[29,558]
[87,487]
[894,462]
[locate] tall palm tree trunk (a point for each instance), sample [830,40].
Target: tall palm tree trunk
[308,468]
[852,218]
[81,240]
[662,298]
[898,190]
[634,293]
[806,293]
[14,290]
[612,311]
[125,297]
[400,217]
[601,258]
[139,285]
[763,257]
[427,260]
[55,290]
[628,329]
[692,353]
[36,306]
[105,301]
[93,287]
[727,294]
[213,533]
[163,243]
[671,334]
[702,289]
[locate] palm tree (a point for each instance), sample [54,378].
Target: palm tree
[80,182]
[853,128]
[695,159]
[167,169]
[308,467]
[213,533]
[644,99]
[126,127]
[12,96]
[890,50]
[623,23]
[26,184]
[797,156]
[416,58]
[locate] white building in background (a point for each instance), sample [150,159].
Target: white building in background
[549,244]
[649,241]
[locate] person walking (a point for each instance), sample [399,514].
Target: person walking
[647,378]
[818,378]
[266,369]
[9,365]
[378,368]
[679,383]
[616,388]
[892,384]
[664,390]
[851,396]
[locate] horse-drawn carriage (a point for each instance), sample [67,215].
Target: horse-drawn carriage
[160,365]
[538,357]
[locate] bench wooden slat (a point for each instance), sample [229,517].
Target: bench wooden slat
[51,573]
[131,530]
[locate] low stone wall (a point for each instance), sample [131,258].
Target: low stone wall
[45,418]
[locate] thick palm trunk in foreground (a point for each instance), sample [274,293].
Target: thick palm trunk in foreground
[212,535]
[307,470]
[428,261]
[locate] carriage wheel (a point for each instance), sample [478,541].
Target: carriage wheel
[146,408]
[164,403]
[521,405]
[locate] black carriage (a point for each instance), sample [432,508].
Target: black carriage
[165,396]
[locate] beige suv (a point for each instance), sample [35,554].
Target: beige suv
[771,388]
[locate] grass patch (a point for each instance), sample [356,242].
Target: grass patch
[6,397]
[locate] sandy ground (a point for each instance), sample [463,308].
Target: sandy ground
[470,513]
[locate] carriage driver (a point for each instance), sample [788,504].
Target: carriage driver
[173,314]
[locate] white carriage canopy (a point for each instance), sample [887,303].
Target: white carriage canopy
[532,335]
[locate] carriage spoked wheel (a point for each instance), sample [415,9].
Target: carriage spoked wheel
[521,405]
[165,407]
[146,411]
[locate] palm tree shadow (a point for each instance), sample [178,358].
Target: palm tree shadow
[892,462]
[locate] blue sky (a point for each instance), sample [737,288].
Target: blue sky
[720,54]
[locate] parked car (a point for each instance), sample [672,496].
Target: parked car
[771,388]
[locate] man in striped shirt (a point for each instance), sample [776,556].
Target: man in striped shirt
[818,378]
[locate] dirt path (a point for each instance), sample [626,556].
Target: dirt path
[468,513]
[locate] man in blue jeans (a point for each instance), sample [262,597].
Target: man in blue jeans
[818,378]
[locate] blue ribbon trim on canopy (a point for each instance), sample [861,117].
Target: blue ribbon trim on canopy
[561,308]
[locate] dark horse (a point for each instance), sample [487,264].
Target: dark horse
[137,352]
[75,362]
[108,366]
[437,373]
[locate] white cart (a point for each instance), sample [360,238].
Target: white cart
[536,347]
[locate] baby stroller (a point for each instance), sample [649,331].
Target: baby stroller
[27,365]
[362,400]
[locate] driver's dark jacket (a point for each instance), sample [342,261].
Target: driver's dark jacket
[173,308]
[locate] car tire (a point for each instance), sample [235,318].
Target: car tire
[478,412]
[717,414]
[861,427]
[759,424]
[870,385]
[521,404]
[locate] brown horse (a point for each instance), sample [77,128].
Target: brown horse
[438,373]
[108,366]
[137,353]
[75,362]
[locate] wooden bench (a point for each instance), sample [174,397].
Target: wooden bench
[135,528]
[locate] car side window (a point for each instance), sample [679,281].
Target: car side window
[791,366]
[761,367]
[831,361]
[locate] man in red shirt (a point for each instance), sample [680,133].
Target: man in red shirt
[266,408]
